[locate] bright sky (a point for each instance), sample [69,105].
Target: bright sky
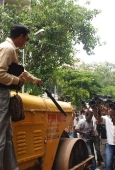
[106,30]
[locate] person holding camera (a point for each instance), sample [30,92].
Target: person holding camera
[110,134]
[86,130]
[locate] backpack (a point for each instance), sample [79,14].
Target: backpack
[16,108]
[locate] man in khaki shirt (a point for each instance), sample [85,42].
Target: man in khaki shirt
[19,35]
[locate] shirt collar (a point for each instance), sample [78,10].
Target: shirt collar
[11,42]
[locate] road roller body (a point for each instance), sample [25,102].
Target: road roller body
[40,140]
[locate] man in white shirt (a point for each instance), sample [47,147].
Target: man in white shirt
[110,132]
[82,114]
[75,123]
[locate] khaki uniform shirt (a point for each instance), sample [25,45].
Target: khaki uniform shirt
[8,55]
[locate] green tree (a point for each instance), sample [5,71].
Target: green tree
[75,85]
[66,23]
[106,72]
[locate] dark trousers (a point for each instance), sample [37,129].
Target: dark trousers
[90,147]
[7,154]
[96,141]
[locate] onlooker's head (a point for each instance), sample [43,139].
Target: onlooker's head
[19,34]
[110,111]
[77,116]
[82,111]
[88,115]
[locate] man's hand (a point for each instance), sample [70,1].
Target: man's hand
[21,80]
[38,82]
[88,134]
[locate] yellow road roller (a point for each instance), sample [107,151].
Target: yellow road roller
[40,140]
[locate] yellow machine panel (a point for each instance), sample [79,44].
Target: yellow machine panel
[39,137]
[40,131]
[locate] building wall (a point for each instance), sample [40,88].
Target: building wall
[1,2]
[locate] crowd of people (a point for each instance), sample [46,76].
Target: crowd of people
[96,127]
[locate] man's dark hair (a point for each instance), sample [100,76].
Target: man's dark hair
[89,113]
[76,115]
[82,111]
[17,30]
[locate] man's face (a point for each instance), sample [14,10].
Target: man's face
[77,118]
[103,112]
[110,111]
[22,40]
[88,117]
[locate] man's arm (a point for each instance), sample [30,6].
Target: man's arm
[80,131]
[30,78]
[79,128]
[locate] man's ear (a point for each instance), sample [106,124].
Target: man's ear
[21,36]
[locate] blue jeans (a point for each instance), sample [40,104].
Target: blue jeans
[109,154]
[71,135]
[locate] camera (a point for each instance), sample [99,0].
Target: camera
[89,135]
